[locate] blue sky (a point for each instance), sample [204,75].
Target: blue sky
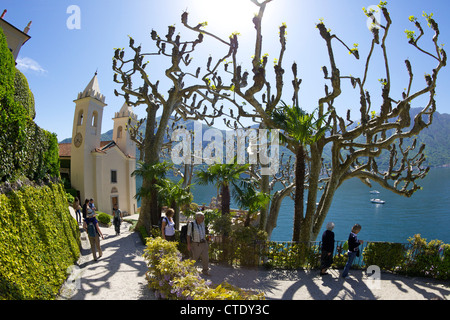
[59,62]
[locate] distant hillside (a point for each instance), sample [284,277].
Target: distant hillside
[436,138]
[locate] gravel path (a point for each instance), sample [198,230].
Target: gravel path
[120,274]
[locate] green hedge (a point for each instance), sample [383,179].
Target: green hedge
[23,93]
[430,259]
[26,151]
[39,240]
[386,255]
[416,258]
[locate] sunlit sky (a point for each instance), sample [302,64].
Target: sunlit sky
[59,62]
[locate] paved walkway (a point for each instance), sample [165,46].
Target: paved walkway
[120,274]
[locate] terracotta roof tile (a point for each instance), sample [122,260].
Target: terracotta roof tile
[64,149]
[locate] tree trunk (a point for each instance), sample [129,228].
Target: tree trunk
[225,199]
[176,216]
[306,232]
[275,205]
[149,214]
[264,185]
[299,190]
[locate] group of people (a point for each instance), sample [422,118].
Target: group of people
[90,223]
[328,248]
[197,242]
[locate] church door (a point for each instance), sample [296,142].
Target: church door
[114,200]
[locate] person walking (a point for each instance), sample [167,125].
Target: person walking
[168,226]
[197,243]
[353,248]
[117,219]
[76,206]
[84,208]
[326,258]
[90,225]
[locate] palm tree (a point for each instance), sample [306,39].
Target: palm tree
[300,129]
[153,173]
[173,194]
[247,196]
[222,175]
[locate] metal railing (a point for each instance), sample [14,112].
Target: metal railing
[293,255]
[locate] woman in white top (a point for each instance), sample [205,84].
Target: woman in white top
[168,226]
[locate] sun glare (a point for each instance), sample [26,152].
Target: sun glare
[224,16]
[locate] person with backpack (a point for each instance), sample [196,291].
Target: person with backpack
[197,242]
[90,225]
[168,226]
[117,219]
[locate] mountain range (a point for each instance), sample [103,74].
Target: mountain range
[435,137]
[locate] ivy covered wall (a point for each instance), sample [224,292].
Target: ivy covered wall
[39,240]
[26,150]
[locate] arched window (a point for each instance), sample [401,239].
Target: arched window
[94,119]
[80,118]
[119,132]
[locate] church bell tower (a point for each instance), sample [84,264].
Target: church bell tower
[86,135]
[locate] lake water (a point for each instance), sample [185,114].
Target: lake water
[427,212]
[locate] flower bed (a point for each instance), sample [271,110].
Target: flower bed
[176,279]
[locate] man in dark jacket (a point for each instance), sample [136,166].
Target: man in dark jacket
[353,248]
[327,249]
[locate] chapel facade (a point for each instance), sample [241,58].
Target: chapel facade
[102,170]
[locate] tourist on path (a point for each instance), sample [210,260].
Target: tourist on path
[93,230]
[353,248]
[85,207]
[326,258]
[117,219]
[168,226]
[92,205]
[76,206]
[197,243]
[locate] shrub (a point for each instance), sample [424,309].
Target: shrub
[103,217]
[386,255]
[39,240]
[173,278]
[23,93]
[245,242]
[428,259]
[70,198]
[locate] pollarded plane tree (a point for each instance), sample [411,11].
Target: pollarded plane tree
[354,148]
[355,151]
[183,97]
[254,98]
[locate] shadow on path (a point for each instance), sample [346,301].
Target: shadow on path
[118,274]
[309,285]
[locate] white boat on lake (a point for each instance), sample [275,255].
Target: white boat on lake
[375,191]
[378,201]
